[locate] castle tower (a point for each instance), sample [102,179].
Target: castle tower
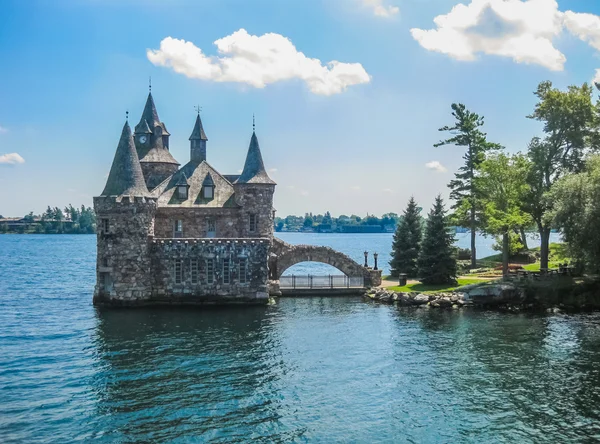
[198,141]
[152,144]
[125,219]
[254,190]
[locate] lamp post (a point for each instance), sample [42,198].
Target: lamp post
[366,256]
[375,257]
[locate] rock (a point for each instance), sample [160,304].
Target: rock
[421,299]
[444,302]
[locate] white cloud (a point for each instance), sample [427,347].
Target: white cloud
[387,190]
[519,29]
[380,9]
[11,159]
[303,193]
[596,77]
[355,188]
[436,165]
[257,61]
[273,170]
[3,130]
[584,26]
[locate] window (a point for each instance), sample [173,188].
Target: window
[105,226]
[105,262]
[178,228]
[194,270]
[182,191]
[226,271]
[208,192]
[243,274]
[210,271]
[211,227]
[177,271]
[253,222]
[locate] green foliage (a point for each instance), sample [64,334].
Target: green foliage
[464,190]
[571,124]
[407,242]
[576,213]
[514,244]
[437,259]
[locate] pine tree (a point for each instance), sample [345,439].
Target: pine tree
[407,242]
[437,260]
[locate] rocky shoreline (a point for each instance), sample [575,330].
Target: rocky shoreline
[503,295]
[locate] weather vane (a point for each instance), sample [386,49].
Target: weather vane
[127,115]
[253,123]
[198,108]
[150,84]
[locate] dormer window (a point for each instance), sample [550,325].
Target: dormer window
[208,192]
[182,188]
[208,188]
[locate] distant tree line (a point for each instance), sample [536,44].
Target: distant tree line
[70,220]
[341,224]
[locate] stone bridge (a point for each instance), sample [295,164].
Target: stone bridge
[284,255]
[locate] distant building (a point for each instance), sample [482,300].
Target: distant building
[181,234]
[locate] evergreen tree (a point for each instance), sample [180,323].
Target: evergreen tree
[467,133]
[407,242]
[437,259]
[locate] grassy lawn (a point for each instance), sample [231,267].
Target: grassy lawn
[422,288]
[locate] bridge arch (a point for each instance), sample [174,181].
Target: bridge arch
[310,253]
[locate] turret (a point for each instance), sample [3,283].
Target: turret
[125,220]
[254,191]
[198,141]
[152,144]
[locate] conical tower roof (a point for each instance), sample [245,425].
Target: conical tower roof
[198,132]
[254,168]
[125,177]
[149,119]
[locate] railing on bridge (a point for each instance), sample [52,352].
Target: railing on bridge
[300,282]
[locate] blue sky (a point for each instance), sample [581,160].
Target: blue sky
[356,138]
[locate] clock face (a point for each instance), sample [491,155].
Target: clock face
[142,139]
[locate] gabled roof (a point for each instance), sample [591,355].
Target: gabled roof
[198,131]
[254,168]
[197,174]
[125,177]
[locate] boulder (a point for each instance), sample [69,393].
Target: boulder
[421,299]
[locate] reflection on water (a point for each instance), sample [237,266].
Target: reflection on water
[302,370]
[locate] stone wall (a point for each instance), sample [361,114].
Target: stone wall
[256,199]
[195,222]
[123,253]
[165,253]
[155,172]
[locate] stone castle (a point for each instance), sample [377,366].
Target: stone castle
[181,234]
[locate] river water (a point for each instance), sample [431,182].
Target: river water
[301,370]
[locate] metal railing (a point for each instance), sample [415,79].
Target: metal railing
[299,282]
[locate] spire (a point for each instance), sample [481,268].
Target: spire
[149,116]
[125,177]
[254,168]
[198,131]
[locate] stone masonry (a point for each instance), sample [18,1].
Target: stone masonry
[191,235]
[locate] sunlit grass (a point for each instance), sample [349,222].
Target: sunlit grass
[423,288]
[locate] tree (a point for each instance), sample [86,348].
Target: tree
[407,242]
[502,184]
[576,213]
[308,221]
[571,131]
[437,259]
[467,133]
